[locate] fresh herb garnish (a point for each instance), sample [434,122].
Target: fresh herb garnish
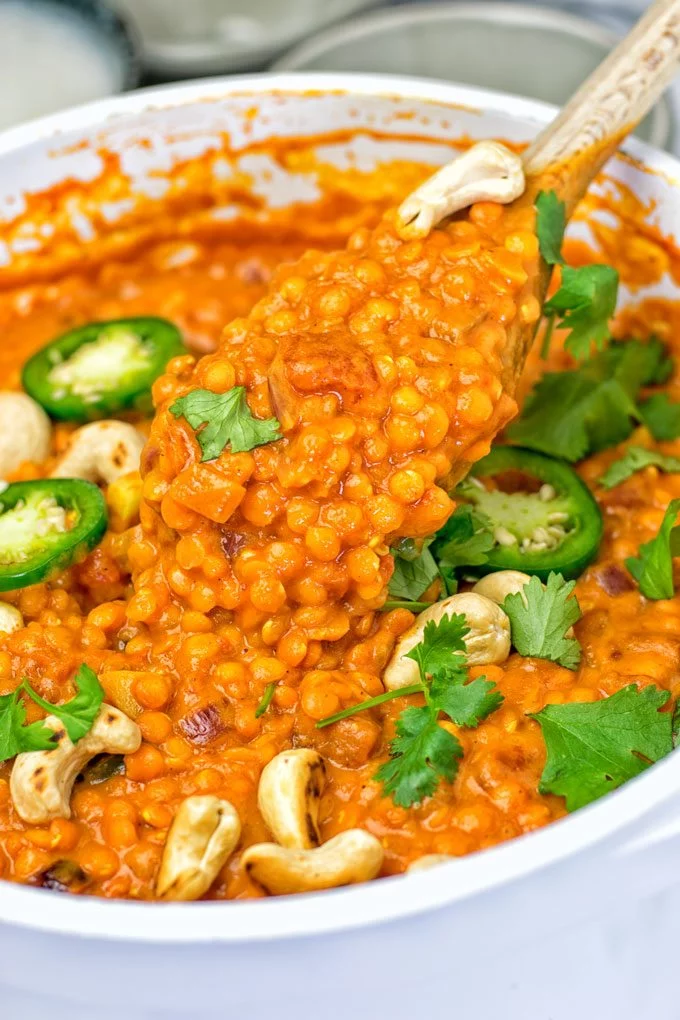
[224,418]
[423,752]
[551,221]
[465,540]
[661,416]
[414,607]
[540,617]
[414,570]
[597,746]
[636,458]
[15,735]
[586,299]
[653,568]
[265,700]
[77,715]
[584,304]
[573,414]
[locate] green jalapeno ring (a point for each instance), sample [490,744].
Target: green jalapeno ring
[37,541]
[102,368]
[518,515]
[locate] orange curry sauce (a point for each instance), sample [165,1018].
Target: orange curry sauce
[272,565]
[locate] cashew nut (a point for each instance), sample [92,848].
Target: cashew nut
[502,583]
[101,452]
[201,839]
[487,172]
[353,856]
[487,642]
[10,618]
[428,861]
[288,797]
[24,431]
[41,781]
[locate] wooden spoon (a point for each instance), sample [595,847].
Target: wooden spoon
[566,155]
[570,151]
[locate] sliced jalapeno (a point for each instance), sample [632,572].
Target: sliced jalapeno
[45,526]
[103,368]
[544,517]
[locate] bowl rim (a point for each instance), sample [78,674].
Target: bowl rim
[394,898]
[374,22]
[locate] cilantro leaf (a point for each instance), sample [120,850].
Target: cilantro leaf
[551,220]
[540,617]
[442,645]
[653,568]
[15,735]
[676,724]
[635,459]
[465,540]
[466,704]
[224,418]
[80,712]
[576,413]
[661,416]
[414,570]
[585,303]
[421,754]
[597,746]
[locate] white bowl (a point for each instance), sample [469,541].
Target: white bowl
[525,49]
[576,920]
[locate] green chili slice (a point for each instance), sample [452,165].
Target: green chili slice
[45,526]
[544,517]
[101,369]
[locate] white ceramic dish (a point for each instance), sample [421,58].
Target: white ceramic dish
[577,920]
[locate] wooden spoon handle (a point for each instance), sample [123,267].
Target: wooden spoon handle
[570,151]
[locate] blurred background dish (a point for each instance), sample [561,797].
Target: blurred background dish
[184,38]
[540,52]
[57,53]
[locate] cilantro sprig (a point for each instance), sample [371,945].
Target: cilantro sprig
[464,541]
[222,419]
[635,459]
[423,752]
[573,414]
[414,570]
[661,416]
[653,568]
[586,298]
[540,617]
[77,715]
[551,222]
[597,746]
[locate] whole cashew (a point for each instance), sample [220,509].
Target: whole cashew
[10,618]
[487,642]
[24,431]
[428,861]
[41,781]
[288,797]
[487,172]
[201,839]
[499,585]
[101,452]
[353,856]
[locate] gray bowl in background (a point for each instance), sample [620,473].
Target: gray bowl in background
[187,38]
[530,51]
